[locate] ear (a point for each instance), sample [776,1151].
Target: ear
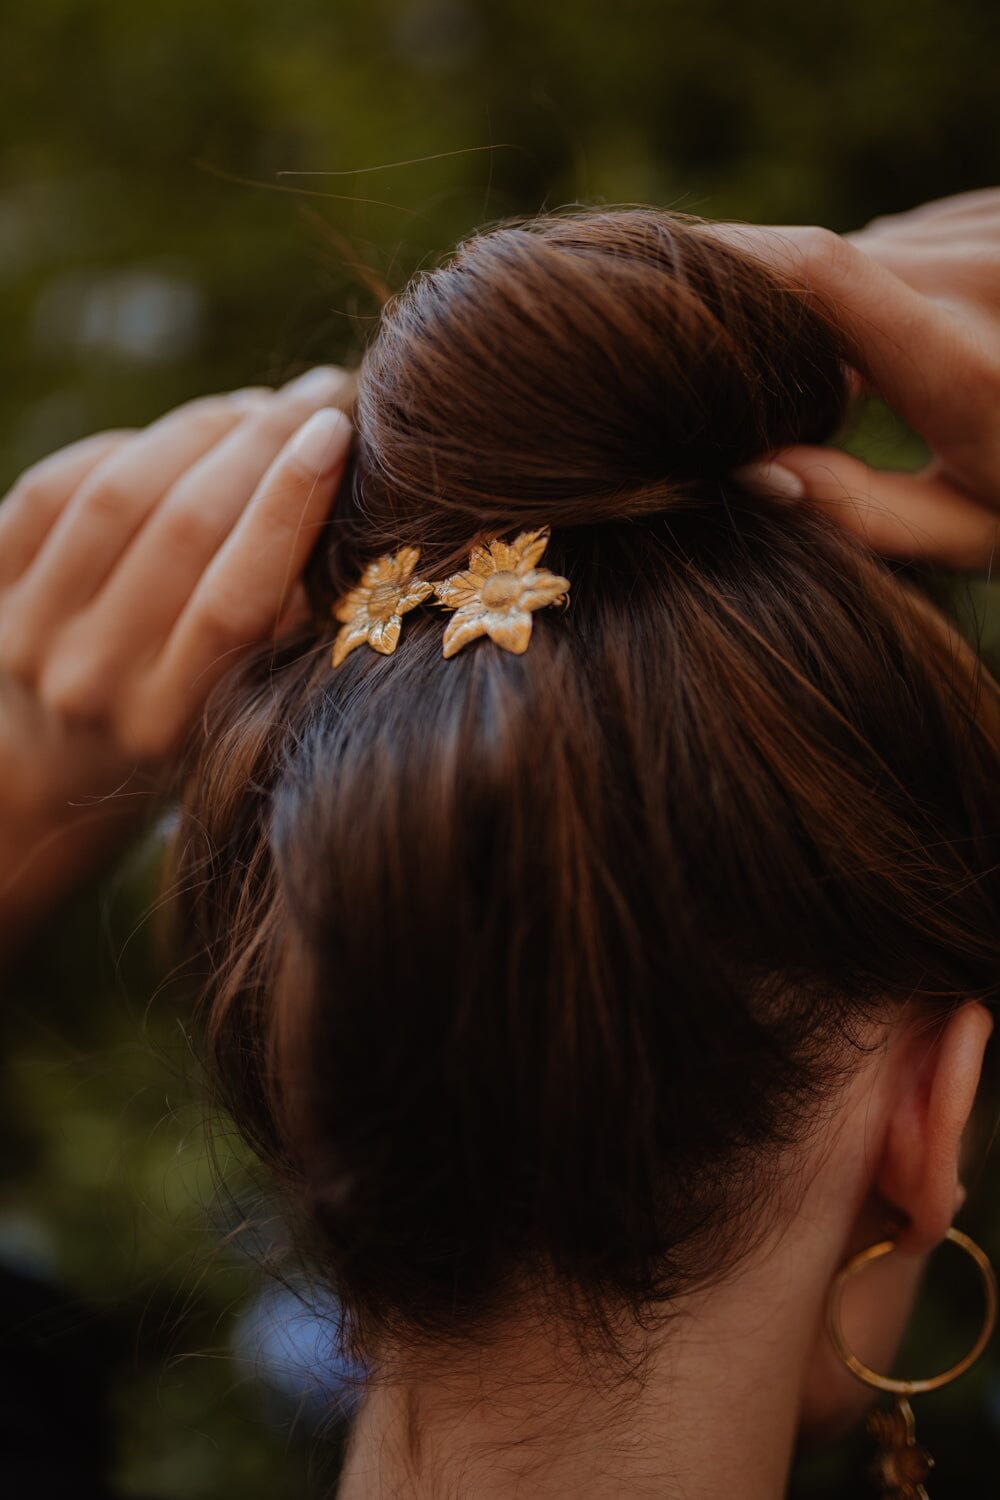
[937,1078]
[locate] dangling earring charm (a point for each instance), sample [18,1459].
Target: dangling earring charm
[902,1465]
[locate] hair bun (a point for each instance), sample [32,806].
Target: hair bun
[574,370]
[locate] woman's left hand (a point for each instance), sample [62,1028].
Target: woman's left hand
[917,298]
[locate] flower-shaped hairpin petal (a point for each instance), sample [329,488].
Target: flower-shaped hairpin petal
[498,592]
[372,614]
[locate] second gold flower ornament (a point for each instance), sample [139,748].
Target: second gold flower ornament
[495,596]
[498,593]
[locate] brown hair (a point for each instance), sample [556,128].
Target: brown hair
[526,968]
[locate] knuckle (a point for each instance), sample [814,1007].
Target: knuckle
[78,691]
[31,492]
[825,247]
[109,500]
[144,732]
[21,648]
[225,622]
[188,529]
[19,657]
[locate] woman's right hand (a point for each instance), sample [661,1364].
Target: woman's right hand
[134,569]
[918,297]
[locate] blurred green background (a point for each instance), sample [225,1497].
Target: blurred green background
[198,194]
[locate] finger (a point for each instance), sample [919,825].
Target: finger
[321,375]
[31,507]
[973,204]
[916,353]
[913,516]
[949,267]
[115,499]
[251,589]
[952,232]
[140,602]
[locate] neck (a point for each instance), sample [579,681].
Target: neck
[714,1411]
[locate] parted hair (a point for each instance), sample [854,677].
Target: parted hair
[525,970]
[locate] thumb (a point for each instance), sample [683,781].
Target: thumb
[907,515]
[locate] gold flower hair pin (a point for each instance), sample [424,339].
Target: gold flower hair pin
[499,593]
[496,596]
[372,614]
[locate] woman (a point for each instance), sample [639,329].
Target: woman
[597,882]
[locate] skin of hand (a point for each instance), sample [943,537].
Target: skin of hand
[135,567]
[918,297]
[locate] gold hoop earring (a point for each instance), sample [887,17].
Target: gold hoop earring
[902,1464]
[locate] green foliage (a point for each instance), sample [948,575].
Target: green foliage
[160,236]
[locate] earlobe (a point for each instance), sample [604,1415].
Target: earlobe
[939,1076]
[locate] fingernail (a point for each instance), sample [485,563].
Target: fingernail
[770,480]
[321,443]
[319,381]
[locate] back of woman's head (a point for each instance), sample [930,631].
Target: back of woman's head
[525,968]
